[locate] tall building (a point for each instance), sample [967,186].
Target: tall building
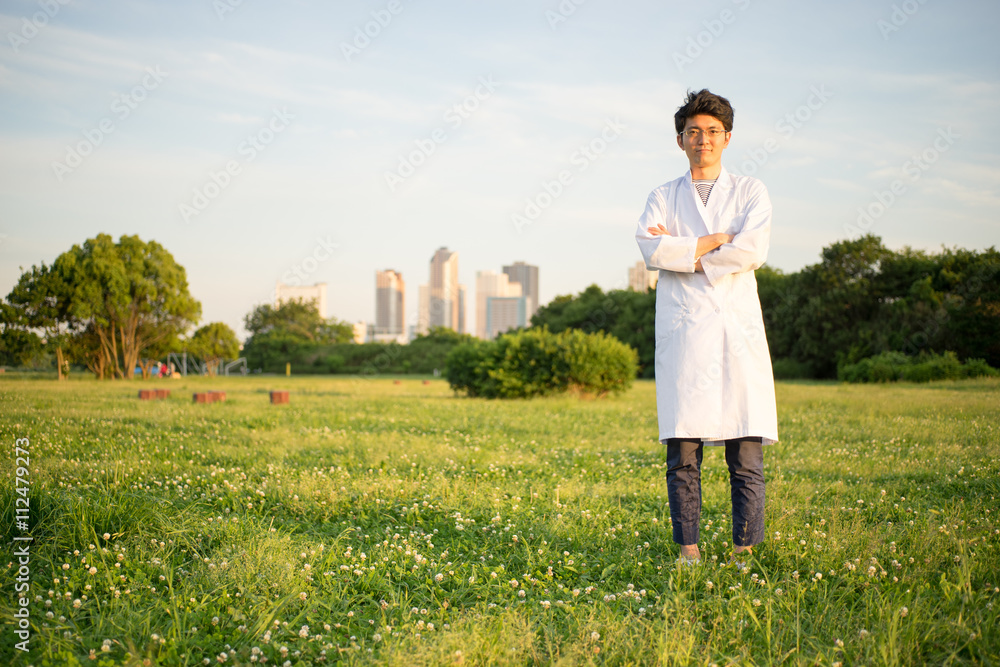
[504,313]
[441,301]
[527,276]
[641,279]
[390,296]
[316,294]
[461,309]
[488,285]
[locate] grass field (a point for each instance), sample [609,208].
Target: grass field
[374,522]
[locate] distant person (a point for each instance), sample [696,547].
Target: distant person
[706,232]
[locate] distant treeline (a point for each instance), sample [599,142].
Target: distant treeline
[859,301]
[424,355]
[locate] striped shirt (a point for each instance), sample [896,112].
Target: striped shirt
[704,188]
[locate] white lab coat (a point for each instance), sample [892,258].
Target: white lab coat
[713,369]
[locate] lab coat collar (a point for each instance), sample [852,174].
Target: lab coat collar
[720,193]
[724,182]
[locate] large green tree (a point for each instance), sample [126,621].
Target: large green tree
[133,294]
[121,299]
[863,299]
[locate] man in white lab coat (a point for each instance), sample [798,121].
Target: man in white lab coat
[706,232]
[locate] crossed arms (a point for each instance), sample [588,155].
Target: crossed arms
[706,244]
[714,255]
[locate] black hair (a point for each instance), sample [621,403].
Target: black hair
[707,103]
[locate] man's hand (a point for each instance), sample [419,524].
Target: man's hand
[659,230]
[709,243]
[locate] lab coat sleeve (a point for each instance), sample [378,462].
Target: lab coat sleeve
[669,253]
[748,249]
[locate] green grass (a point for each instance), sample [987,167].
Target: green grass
[405,526]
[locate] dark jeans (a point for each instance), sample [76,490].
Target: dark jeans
[745,458]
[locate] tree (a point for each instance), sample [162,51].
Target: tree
[214,342]
[18,346]
[42,301]
[288,330]
[128,296]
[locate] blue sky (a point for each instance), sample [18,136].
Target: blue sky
[837,104]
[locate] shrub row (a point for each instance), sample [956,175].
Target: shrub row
[893,366]
[537,362]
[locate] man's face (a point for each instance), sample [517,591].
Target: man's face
[703,149]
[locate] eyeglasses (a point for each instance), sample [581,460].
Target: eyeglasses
[693,133]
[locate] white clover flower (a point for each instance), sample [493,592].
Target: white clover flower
[594,636]
[107,536]
[439,577]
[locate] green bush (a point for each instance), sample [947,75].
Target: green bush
[599,363]
[944,366]
[893,366]
[468,366]
[536,362]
